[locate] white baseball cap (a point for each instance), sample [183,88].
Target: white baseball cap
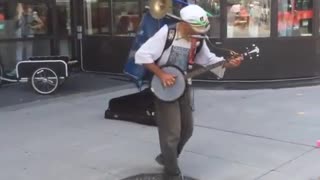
[196,17]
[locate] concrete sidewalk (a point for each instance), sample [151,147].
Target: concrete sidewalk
[239,135]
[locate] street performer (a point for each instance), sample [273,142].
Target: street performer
[174,119]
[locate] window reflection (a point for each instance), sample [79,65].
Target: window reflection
[295,17]
[65,47]
[97,17]
[23,19]
[213,7]
[126,17]
[63,17]
[30,20]
[248,18]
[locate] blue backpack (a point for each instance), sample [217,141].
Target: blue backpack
[148,27]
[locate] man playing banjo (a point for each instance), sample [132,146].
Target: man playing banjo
[174,119]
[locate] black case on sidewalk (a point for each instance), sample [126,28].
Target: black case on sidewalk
[137,107]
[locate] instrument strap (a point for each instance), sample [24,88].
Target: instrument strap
[193,51]
[172,29]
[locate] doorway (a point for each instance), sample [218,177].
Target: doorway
[105,32]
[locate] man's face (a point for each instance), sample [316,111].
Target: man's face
[189,30]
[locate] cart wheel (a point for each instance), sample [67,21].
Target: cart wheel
[44,81]
[1,74]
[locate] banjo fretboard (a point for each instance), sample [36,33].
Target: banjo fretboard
[254,50]
[202,70]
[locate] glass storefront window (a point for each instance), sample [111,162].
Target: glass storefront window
[213,7]
[248,18]
[23,19]
[295,17]
[97,15]
[65,47]
[126,17]
[63,17]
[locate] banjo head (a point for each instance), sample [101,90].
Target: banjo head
[171,93]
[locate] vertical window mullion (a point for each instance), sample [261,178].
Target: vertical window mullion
[274,18]
[111,16]
[316,18]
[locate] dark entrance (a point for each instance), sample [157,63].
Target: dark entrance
[105,32]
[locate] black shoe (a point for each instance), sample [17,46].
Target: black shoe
[159,160]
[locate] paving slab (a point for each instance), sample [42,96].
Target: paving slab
[208,168]
[306,166]
[68,138]
[289,115]
[248,150]
[57,148]
[279,176]
[47,141]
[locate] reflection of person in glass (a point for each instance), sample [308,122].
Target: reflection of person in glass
[233,11]
[27,22]
[255,15]
[285,20]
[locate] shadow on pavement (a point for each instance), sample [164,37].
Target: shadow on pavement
[151,177]
[19,93]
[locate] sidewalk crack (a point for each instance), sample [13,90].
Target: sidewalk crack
[284,164]
[252,135]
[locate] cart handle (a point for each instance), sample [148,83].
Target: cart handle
[72,62]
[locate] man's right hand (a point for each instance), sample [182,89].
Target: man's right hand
[167,79]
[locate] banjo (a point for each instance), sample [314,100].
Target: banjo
[174,92]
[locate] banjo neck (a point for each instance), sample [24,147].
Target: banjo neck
[200,71]
[255,50]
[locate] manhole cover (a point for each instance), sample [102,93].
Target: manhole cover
[151,177]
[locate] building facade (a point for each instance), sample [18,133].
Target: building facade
[100,33]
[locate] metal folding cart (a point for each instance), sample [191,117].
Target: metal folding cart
[45,73]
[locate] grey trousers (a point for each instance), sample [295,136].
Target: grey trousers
[175,126]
